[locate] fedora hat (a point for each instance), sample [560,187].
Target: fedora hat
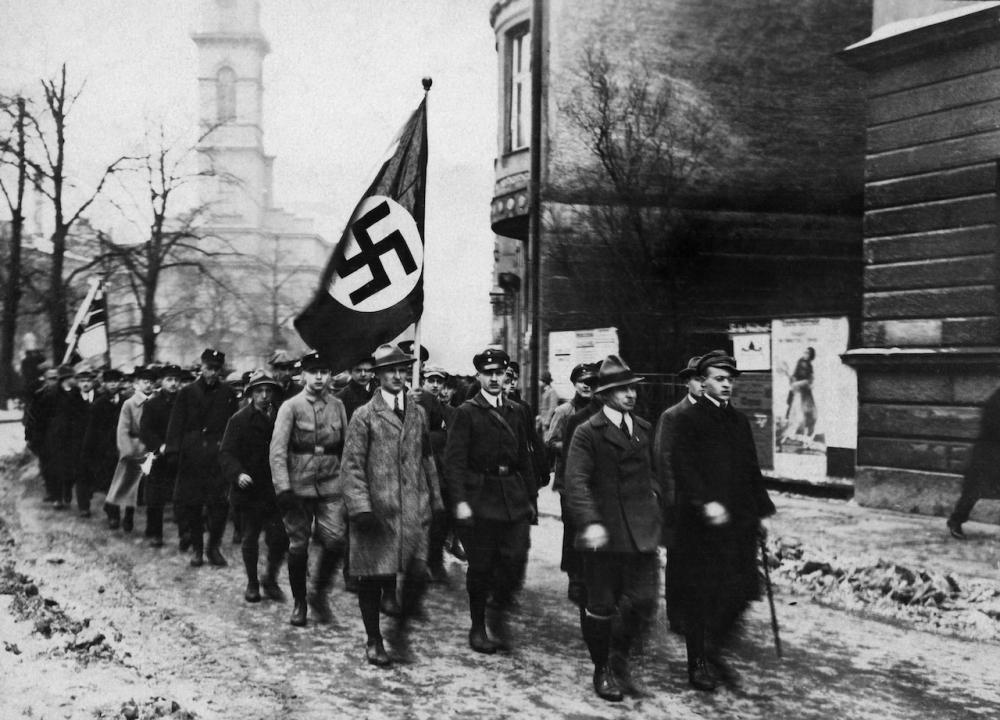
[280,360]
[389,355]
[691,370]
[261,378]
[614,373]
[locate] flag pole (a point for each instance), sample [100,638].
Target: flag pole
[415,379]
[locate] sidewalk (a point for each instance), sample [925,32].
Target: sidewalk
[841,527]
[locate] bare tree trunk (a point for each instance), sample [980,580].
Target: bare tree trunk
[12,296]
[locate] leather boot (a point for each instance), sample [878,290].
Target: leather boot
[700,675]
[269,583]
[252,595]
[605,685]
[478,639]
[324,579]
[297,565]
[215,556]
[197,550]
[128,522]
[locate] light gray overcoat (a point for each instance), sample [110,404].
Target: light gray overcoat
[388,470]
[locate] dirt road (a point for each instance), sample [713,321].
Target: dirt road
[186,635]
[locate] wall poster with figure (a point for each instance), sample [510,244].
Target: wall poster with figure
[815,395]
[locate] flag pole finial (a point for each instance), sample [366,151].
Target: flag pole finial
[427,82]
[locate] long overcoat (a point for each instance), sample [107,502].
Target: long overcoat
[100,446]
[153,433]
[197,424]
[487,462]
[124,488]
[983,473]
[389,470]
[246,448]
[64,434]
[715,460]
[610,480]
[663,450]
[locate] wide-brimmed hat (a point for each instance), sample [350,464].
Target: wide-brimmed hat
[112,375]
[313,361]
[235,378]
[65,371]
[691,370]
[281,359]
[213,357]
[389,355]
[719,359]
[614,373]
[491,359]
[83,370]
[261,378]
[546,376]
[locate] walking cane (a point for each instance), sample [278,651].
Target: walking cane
[770,595]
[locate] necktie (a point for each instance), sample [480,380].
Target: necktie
[396,409]
[624,427]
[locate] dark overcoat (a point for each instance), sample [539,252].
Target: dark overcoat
[487,462]
[388,469]
[610,480]
[246,448]
[100,444]
[663,448]
[197,423]
[983,473]
[64,434]
[354,396]
[715,460]
[153,433]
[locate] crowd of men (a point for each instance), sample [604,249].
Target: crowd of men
[382,480]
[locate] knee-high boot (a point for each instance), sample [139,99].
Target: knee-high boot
[250,555]
[297,568]
[269,583]
[318,601]
[597,634]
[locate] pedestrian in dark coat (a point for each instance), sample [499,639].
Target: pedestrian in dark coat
[982,477]
[361,387]
[439,420]
[663,448]
[162,476]
[490,476]
[37,417]
[391,492]
[557,440]
[245,460]
[100,444]
[65,437]
[720,500]
[197,424]
[612,496]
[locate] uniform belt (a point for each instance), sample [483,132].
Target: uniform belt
[303,449]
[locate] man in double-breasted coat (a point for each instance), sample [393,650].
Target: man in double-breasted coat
[490,474]
[163,475]
[391,492]
[663,448]
[197,424]
[720,499]
[613,499]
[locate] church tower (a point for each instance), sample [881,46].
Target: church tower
[231,52]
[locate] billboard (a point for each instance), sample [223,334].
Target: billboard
[570,348]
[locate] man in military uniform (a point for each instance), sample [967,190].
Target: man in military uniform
[720,500]
[490,477]
[306,447]
[612,497]
[197,424]
[153,433]
[663,448]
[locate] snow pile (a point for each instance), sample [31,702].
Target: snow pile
[888,590]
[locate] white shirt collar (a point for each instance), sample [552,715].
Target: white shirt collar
[714,401]
[692,399]
[390,399]
[615,416]
[492,400]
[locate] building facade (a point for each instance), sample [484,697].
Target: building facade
[931,333]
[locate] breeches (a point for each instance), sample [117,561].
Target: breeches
[329,516]
[266,518]
[497,552]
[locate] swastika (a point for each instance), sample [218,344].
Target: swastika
[371,253]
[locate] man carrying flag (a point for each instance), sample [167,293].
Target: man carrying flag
[372,288]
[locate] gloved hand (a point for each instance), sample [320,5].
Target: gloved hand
[365,522]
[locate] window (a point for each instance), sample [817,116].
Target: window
[519,72]
[225,95]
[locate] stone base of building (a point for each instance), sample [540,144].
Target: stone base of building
[915,491]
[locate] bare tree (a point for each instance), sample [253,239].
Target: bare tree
[54,183]
[280,280]
[648,141]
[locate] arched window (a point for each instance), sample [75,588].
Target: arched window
[225,94]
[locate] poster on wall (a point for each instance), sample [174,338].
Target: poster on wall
[752,351]
[569,348]
[814,396]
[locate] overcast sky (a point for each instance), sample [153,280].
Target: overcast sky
[341,78]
